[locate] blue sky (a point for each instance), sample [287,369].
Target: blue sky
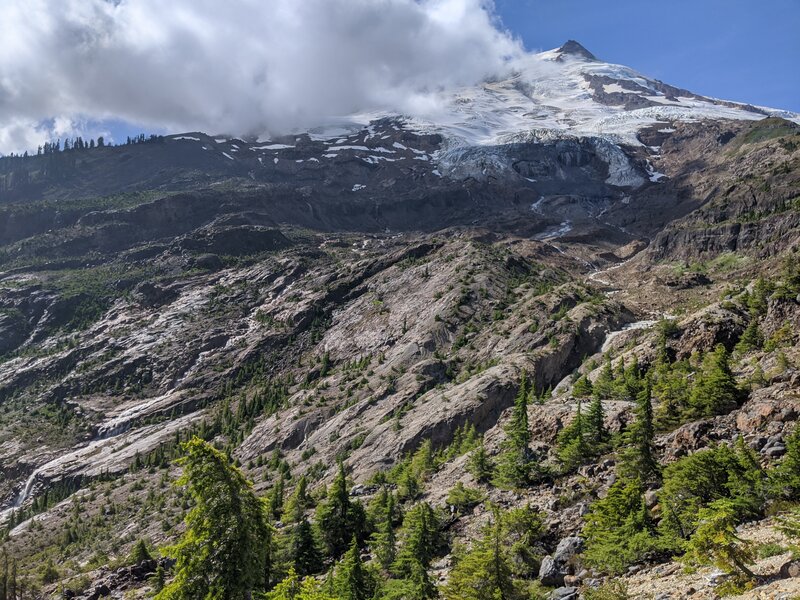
[733,49]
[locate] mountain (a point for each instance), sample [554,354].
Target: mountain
[383,284]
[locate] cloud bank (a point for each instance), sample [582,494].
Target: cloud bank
[240,67]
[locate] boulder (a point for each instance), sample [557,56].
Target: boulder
[790,569]
[563,562]
[564,593]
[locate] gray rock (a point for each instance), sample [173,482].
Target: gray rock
[775,451]
[564,593]
[549,574]
[790,569]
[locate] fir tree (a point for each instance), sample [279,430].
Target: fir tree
[515,467]
[420,539]
[480,466]
[352,581]
[582,387]
[784,480]
[715,391]
[140,553]
[618,529]
[339,519]
[222,553]
[383,540]
[304,553]
[484,572]
[595,425]
[572,447]
[715,541]
[638,459]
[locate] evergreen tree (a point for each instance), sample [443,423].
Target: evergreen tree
[304,553]
[292,588]
[383,541]
[784,480]
[638,459]
[751,338]
[518,432]
[352,580]
[484,572]
[582,387]
[715,541]
[420,539]
[595,425]
[618,529]
[299,502]
[222,553]
[603,386]
[572,447]
[339,519]
[480,466]
[140,553]
[715,391]
[516,467]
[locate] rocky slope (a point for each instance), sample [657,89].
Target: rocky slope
[350,296]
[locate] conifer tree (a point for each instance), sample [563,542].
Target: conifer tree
[383,540]
[595,425]
[715,540]
[484,572]
[784,480]
[420,538]
[339,519]
[222,553]
[515,467]
[572,447]
[299,502]
[618,529]
[603,386]
[715,391]
[638,459]
[352,580]
[582,387]
[304,553]
[518,431]
[480,465]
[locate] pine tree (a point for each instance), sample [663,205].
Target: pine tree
[618,529]
[339,519]
[484,572]
[352,581]
[222,552]
[715,391]
[572,447]
[420,539]
[299,502]
[516,467]
[518,432]
[638,459]
[603,386]
[292,588]
[304,553]
[784,480]
[140,553]
[715,540]
[751,338]
[595,425]
[582,387]
[384,541]
[480,466]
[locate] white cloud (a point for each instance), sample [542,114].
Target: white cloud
[244,66]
